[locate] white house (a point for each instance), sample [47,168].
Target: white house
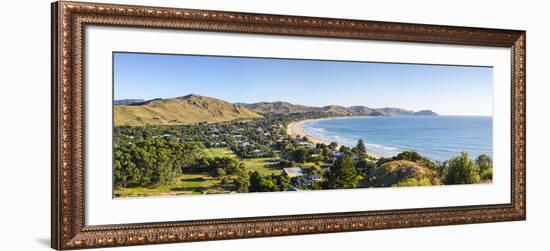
[315,177]
[293,172]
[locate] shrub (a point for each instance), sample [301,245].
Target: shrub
[487,174]
[414,182]
[461,170]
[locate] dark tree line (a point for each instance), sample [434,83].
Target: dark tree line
[152,162]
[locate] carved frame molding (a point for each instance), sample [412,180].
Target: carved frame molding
[68,225]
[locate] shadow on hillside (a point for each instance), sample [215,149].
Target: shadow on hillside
[186,189]
[197,179]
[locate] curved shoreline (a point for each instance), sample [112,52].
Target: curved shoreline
[295,129]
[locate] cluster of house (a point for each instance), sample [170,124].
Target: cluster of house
[303,143]
[253,138]
[301,179]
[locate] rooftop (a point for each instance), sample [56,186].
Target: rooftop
[293,171]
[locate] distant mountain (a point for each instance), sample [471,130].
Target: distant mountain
[338,110]
[335,110]
[279,107]
[425,113]
[363,110]
[391,111]
[182,110]
[128,101]
[195,108]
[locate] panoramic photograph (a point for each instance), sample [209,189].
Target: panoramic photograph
[204,125]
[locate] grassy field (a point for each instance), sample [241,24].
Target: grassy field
[259,164]
[186,184]
[255,164]
[219,152]
[306,164]
[200,183]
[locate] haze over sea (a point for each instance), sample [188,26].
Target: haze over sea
[436,137]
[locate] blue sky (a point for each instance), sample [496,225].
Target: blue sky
[451,90]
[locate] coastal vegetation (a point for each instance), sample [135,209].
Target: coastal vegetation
[201,145]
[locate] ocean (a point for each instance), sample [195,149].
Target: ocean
[436,137]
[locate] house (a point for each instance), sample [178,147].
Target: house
[306,144]
[307,181]
[292,189]
[337,154]
[293,172]
[315,177]
[219,144]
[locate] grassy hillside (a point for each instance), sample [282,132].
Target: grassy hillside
[183,110]
[333,110]
[402,173]
[338,110]
[280,107]
[194,108]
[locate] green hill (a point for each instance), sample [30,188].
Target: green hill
[279,107]
[402,173]
[182,110]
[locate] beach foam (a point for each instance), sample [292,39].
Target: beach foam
[322,133]
[438,137]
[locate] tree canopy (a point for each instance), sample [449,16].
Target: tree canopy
[485,164]
[461,170]
[360,149]
[343,174]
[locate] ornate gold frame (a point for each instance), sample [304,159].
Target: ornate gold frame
[68,228]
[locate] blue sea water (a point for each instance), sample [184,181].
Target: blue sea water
[436,137]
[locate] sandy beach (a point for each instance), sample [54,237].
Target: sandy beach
[295,128]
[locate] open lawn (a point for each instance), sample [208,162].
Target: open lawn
[262,166]
[306,164]
[253,164]
[186,184]
[219,152]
